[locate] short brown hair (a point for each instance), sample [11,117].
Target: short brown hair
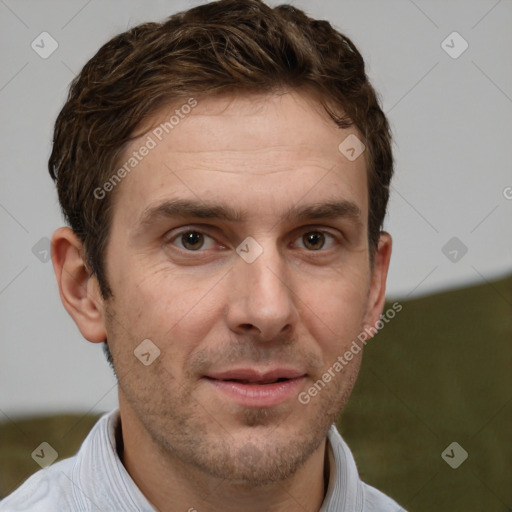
[224,46]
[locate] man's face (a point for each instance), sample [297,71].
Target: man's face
[227,327]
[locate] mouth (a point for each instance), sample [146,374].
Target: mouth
[253,388]
[255,376]
[261,382]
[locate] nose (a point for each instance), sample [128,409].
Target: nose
[262,301]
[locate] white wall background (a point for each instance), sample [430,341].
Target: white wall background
[452,125]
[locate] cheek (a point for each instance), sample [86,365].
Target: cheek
[334,309]
[176,312]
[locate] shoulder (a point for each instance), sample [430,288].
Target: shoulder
[347,490]
[49,489]
[376,501]
[67,484]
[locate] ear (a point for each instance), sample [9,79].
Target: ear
[79,291]
[377,292]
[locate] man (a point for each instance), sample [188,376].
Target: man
[225,178]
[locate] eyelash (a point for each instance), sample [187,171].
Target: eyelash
[334,239]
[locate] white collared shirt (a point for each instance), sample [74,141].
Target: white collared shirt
[95,480]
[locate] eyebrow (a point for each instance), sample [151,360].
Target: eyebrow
[187,208]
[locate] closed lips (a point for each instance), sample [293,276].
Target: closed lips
[246,381]
[251,376]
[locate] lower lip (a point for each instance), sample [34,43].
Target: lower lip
[258,395]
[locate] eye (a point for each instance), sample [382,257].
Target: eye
[193,241]
[316,240]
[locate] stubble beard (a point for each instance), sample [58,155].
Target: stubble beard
[270,448]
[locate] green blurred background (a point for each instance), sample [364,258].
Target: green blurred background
[439,372]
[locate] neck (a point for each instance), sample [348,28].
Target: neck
[172,485]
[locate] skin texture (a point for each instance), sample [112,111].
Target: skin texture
[298,305]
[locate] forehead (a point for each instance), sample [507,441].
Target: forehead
[277,148]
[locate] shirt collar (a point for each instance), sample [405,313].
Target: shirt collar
[98,456]
[344,491]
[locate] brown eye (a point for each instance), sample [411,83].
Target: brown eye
[319,241]
[192,240]
[313,240]
[189,241]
